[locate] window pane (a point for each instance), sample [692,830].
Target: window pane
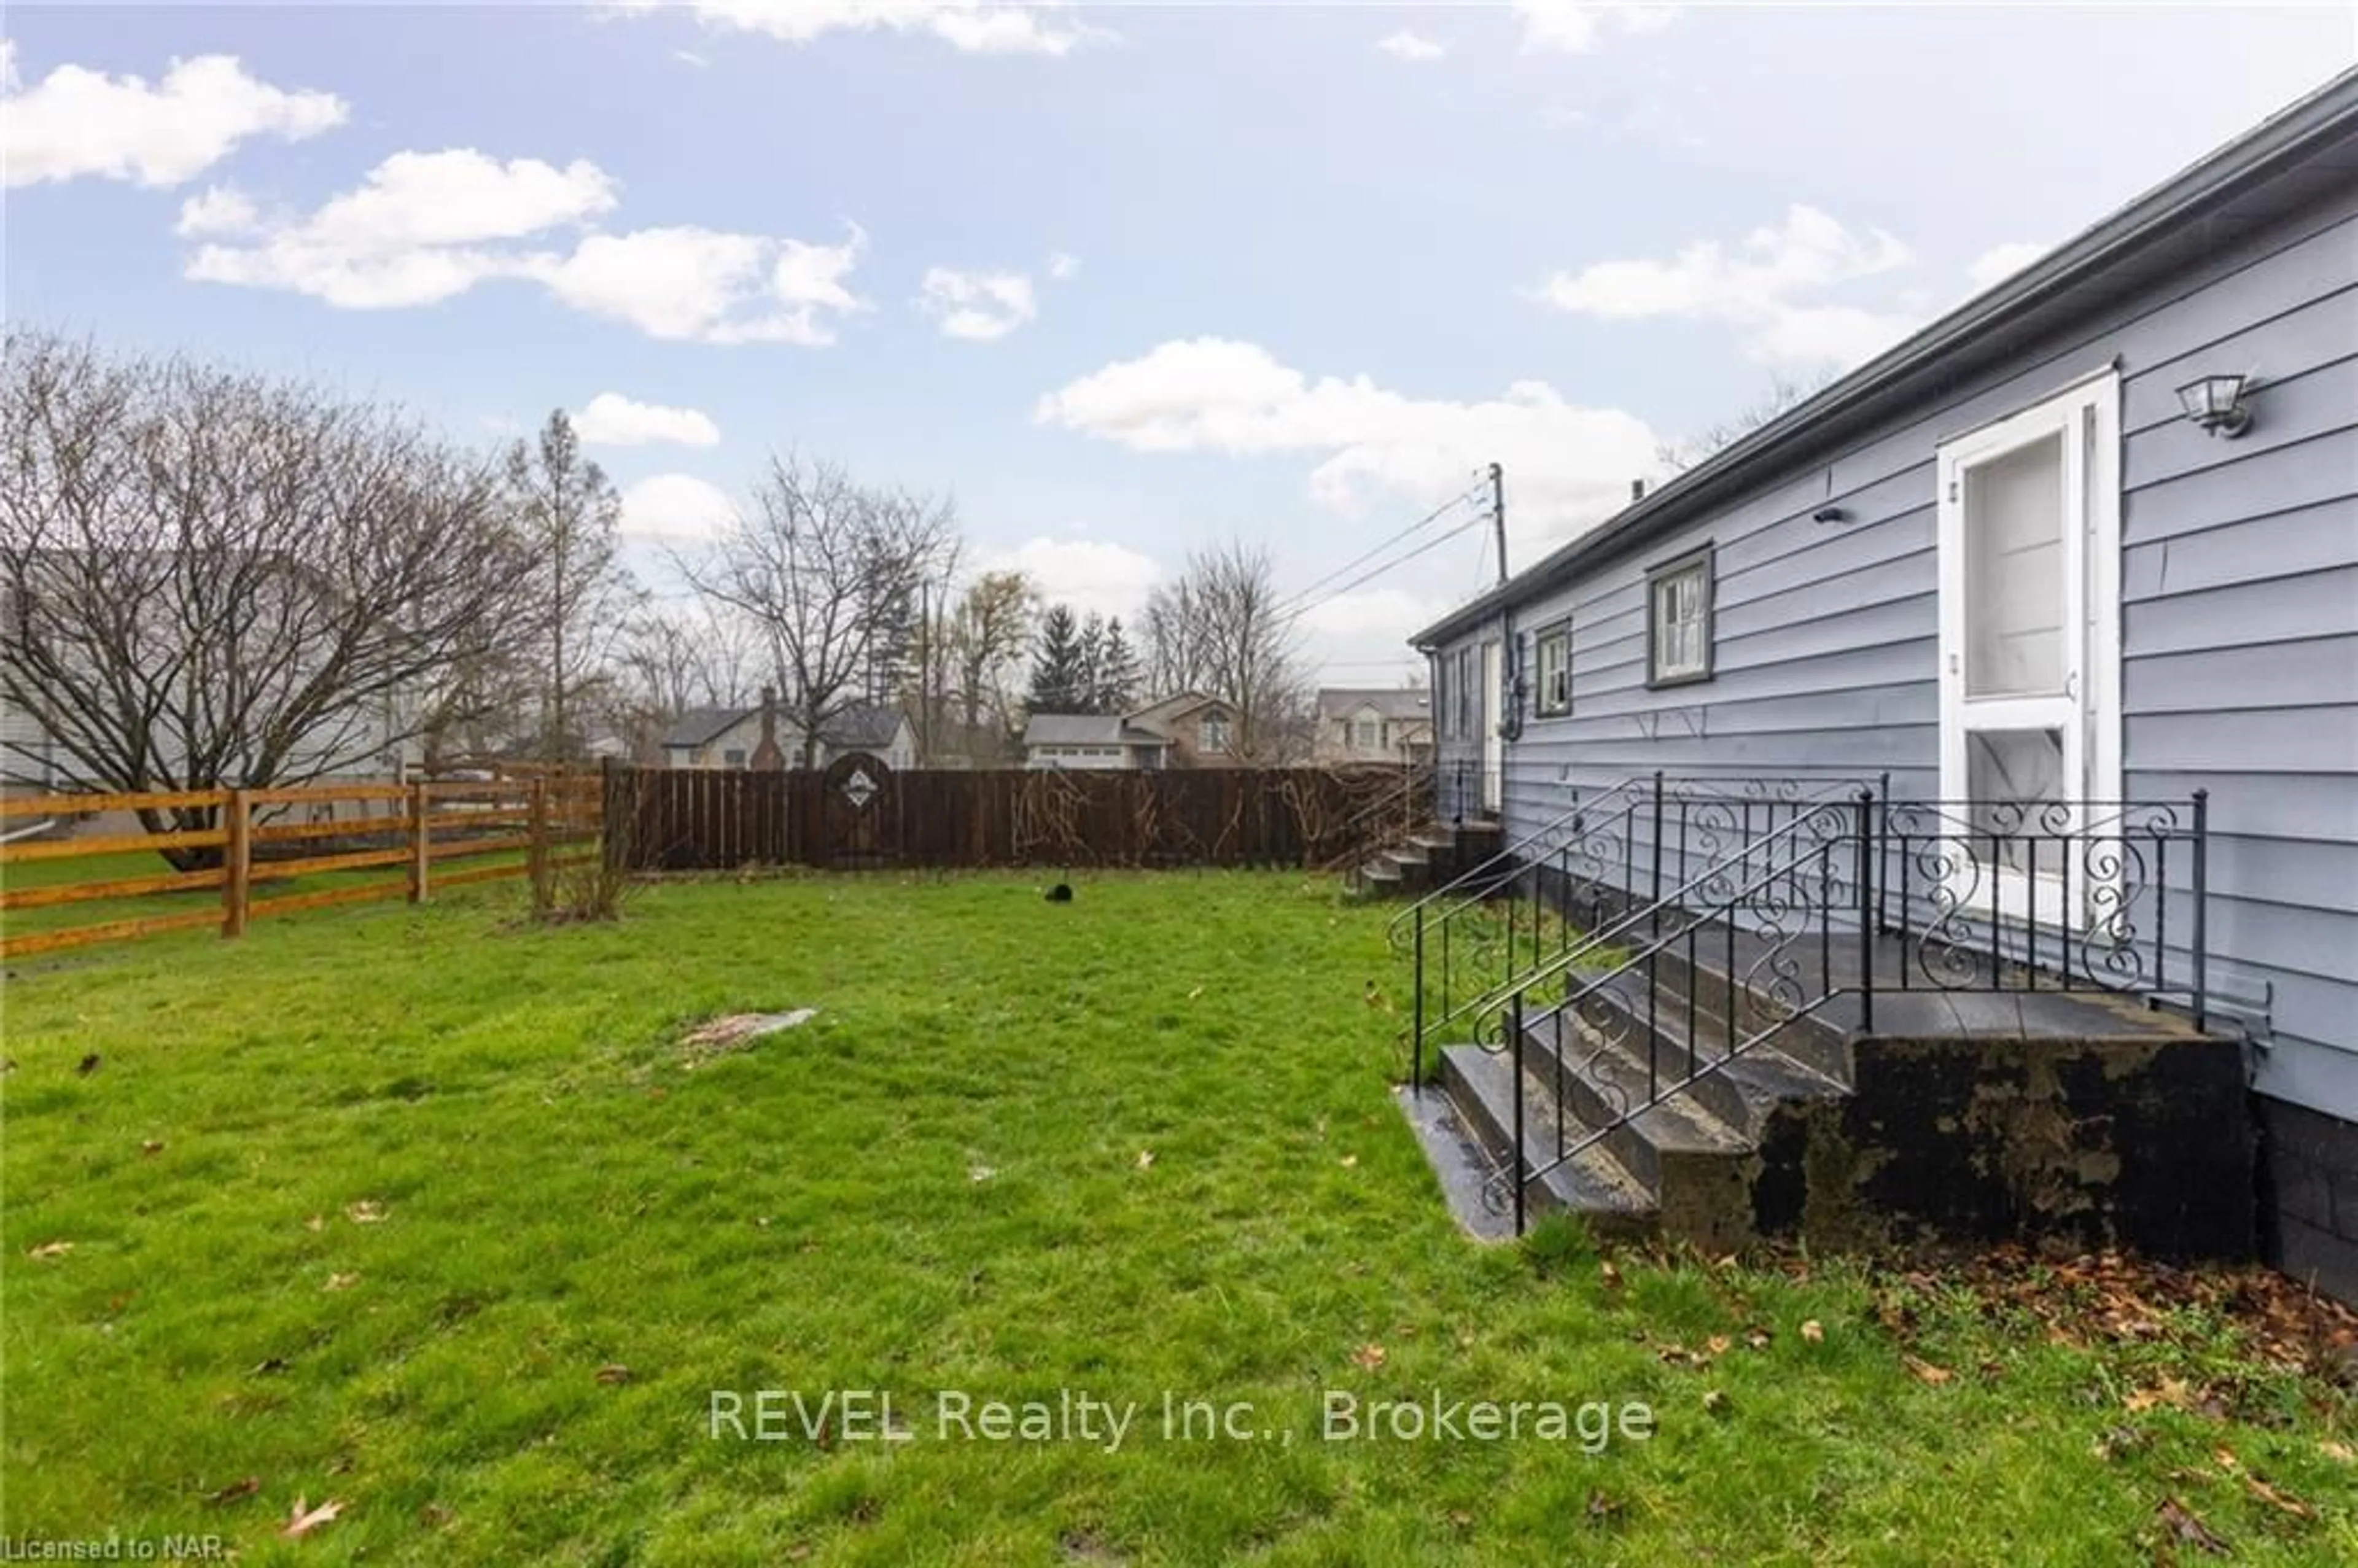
[2014,572]
[2009,775]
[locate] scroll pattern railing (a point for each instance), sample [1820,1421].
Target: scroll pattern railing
[1637,839]
[1669,978]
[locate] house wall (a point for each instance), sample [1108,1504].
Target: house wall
[1397,739]
[2239,578]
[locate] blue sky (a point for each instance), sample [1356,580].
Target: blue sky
[1125,278]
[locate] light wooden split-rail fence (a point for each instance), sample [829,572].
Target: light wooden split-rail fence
[239,843]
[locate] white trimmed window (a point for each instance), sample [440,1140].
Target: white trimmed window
[1366,734]
[1215,732]
[1678,621]
[1553,656]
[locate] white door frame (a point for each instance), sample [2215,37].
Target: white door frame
[2086,416]
[1494,717]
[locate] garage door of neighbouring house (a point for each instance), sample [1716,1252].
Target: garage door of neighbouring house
[2030,642]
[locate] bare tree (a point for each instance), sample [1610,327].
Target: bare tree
[567,512]
[1783,395]
[816,558]
[1222,622]
[1177,656]
[212,578]
[989,634]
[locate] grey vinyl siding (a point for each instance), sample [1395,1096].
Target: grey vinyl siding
[2239,622]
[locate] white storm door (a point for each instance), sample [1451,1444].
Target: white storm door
[1494,714]
[2029,544]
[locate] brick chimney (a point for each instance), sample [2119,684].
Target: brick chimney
[767,758]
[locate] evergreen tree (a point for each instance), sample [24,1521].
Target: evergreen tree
[1117,671]
[1060,673]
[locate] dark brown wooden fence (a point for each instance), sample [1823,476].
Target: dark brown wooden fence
[857,814]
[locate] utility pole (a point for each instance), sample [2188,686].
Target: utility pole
[1498,513]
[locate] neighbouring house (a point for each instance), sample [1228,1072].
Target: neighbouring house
[1090,740]
[1188,730]
[2068,580]
[1359,724]
[731,738]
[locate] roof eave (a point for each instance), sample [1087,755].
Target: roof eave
[2282,135]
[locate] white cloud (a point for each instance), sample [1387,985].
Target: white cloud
[615,420]
[1570,466]
[217,209]
[1409,46]
[690,57]
[424,227]
[75,121]
[974,27]
[1063,266]
[710,286]
[677,507]
[981,307]
[1753,285]
[1088,574]
[1999,263]
[1573,27]
[420,228]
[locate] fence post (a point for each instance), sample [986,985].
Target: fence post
[1416,1067]
[420,842]
[237,862]
[1868,917]
[537,856]
[2202,908]
[1515,1023]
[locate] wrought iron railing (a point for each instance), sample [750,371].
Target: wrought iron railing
[1668,981]
[1639,839]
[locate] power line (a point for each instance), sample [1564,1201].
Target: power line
[1458,499]
[1287,617]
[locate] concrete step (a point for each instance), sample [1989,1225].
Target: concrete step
[1597,1083]
[1481,1084]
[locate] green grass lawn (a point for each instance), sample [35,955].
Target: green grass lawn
[429,1214]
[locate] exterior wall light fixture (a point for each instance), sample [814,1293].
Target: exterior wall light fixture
[2216,402]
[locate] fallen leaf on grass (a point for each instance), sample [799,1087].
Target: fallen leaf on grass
[613,1373]
[236,1491]
[1193,994]
[1925,1372]
[1757,1338]
[1716,1402]
[268,1365]
[2273,1499]
[979,1172]
[1461,1519]
[1145,1158]
[317,1222]
[52,1249]
[2188,1528]
[1368,1358]
[151,1146]
[306,1519]
[1719,1345]
[2339,1452]
[2169,1392]
[341,1281]
[88,1064]
[1601,1507]
[1350,1162]
[1609,1274]
[368,1211]
[1814,1332]
[434,1516]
